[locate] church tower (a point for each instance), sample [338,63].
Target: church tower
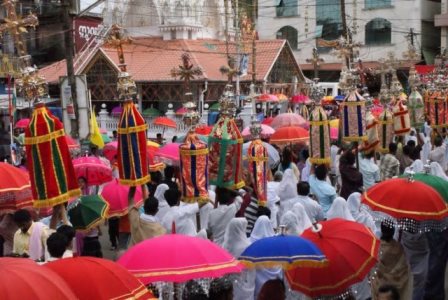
[171,19]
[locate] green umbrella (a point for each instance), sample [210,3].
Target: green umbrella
[151,112]
[106,138]
[214,106]
[87,212]
[437,183]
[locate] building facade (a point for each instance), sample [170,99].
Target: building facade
[381,26]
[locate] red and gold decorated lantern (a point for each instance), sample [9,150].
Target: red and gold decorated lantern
[372,133]
[353,118]
[385,130]
[257,156]
[132,156]
[226,154]
[53,179]
[402,121]
[319,137]
[436,109]
[194,169]
[416,109]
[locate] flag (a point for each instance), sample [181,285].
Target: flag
[95,135]
[325,43]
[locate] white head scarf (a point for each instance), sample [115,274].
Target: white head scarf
[304,221]
[290,221]
[359,213]
[235,239]
[437,170]
[339,209]
[262,229]
[287,189]
[159,194]
[417,166]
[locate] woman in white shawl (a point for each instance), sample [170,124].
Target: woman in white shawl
[339,209]
[291,223]
[417,166]
[236,241]
[304,221]
[287,192]
[437,170]
[358,213]
[159,194]
[263,229]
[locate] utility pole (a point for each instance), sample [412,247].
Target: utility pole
[68,41]
[238,54]
[346,32]
[254,43]
[226,29]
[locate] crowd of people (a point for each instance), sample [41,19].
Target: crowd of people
[411,265]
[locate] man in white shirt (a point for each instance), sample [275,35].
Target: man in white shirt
[220,217]
[312,208]
[438,153]
[179,217]
[369,169]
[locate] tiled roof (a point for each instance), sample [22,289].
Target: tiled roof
[151,59]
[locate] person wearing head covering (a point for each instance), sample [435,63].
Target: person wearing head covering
[236,241]
[287,192]
[302,217]
[312,208]
[305,174]
[159,194]
[436,170]
[263,229]
[438,153]
[273,198]
[417,166]
[358,213]
[339,209]
[291,223]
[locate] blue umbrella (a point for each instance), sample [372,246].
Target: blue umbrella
[339,98]
[286,251]
[273,155]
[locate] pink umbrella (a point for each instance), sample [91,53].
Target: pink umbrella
[265,131]
[110,150]
[22,123]
[267,98]
[117,196]
[117,110]
[288,119]
[93,169]
[181,111]
[300,99]
[178,258]
[334,133]
[168,154]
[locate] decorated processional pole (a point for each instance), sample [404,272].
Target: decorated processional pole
[50,167]
[133,165]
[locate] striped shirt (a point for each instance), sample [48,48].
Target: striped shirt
[251,214]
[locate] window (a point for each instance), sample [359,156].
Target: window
[378,32]
[328,15]
[290,34]
[286,8]
[371,4]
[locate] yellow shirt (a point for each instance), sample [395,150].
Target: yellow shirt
[22,240]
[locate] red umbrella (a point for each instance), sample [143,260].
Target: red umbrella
[351,249]
[96,278]
[93,169]
[203,129]
[22,123]
[411,203]
[165,122]
[178,258]
[268,121]
[300,98]
[267,98]
[116,195]
[110,150]
[71,143]
[15,189]
[288,119]
[286,135]
[24,279]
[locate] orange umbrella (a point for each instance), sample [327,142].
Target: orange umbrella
[165,122]
[267,98]
[281,97]
[286,135]
[15,189]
